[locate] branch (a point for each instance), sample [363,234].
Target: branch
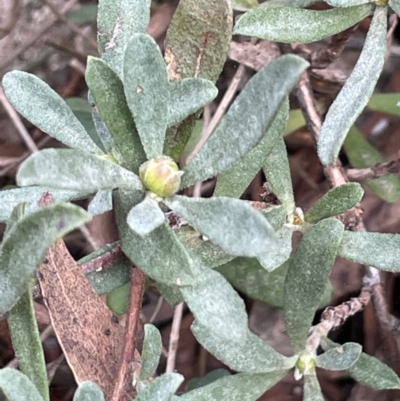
[379,170]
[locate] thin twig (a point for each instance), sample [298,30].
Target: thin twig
[156,309]
[14,15]
[174,338]
[135,304]
[379,170]
[104,261]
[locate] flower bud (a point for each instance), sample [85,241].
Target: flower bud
[305,365]
[161,176]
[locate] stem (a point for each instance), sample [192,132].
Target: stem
[135,303]
[174,338]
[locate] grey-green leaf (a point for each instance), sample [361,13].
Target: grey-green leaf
[347,3]
[26,245]
[117,20]
[312,389]
[188,96]
[395,5]
[252,355]
[336,201]
[305,25]
[26,341]
[307,277]
[362,154]
[101,202]
[357,90]
[42,106]
[108,92]
[239,387]
[244,5]
[374,249]
[74,170]
[237,178]
[342,357]
[88,391]
[369,371]
[9,198]
[147,91]
[247,119]
[145,217]
[17,387]
[151,351]
[217,306]
[239,229]
[161,388]
[277,171]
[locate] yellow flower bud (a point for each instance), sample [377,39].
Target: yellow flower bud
[161,176]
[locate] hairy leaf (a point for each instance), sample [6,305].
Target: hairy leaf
[342,357]
[26,245]
[230,223]
[247,119]
[362,154]
[188,96]
[108,92]
[252,355]
[101,202]
[239,387]
[307,277]
[88,391]
[161,388]
[237,178]
[374,249]
[217,306]
[43,107]
[146,91]
[244,5]
[145,217]
[17,387]
[291,3]
[277,171]
[347,3]
[118,299]
[197,382]
[312,389]
[117,20]
[74,170]
[395,5]
[357,90]
[305,25]
[151,351]
[336,201]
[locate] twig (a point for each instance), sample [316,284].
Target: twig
[174,338]
[70,24]
[104,261]
[135,303]
[379,170]
[156,309]
[14,15]
[6,61]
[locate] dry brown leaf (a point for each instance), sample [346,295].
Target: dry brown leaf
[88,332]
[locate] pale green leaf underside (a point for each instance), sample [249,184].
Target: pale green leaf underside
[26,245]
[291,3]
[368,370]
[188,96]
[161,388]
[101,202]
[347,3]
[151,351]
[17,387]
[342,357]
[307,277]
[248,118]
[117,20]
[146,90]
[10,198]
[244,5]
[237,178]
[108,93]
[385,103]
[88,391]
[336,201]
[362,154]
[24,330]
[252,355]
[145,217]
[239,387]
[395,4]
[374,249]
[239,229]
[277,171]
[74,170]
[357,90]
[312,389]
[305,25]
[217,306]
[43,107]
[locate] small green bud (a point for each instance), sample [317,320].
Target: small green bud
[305,365]
[161,176]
